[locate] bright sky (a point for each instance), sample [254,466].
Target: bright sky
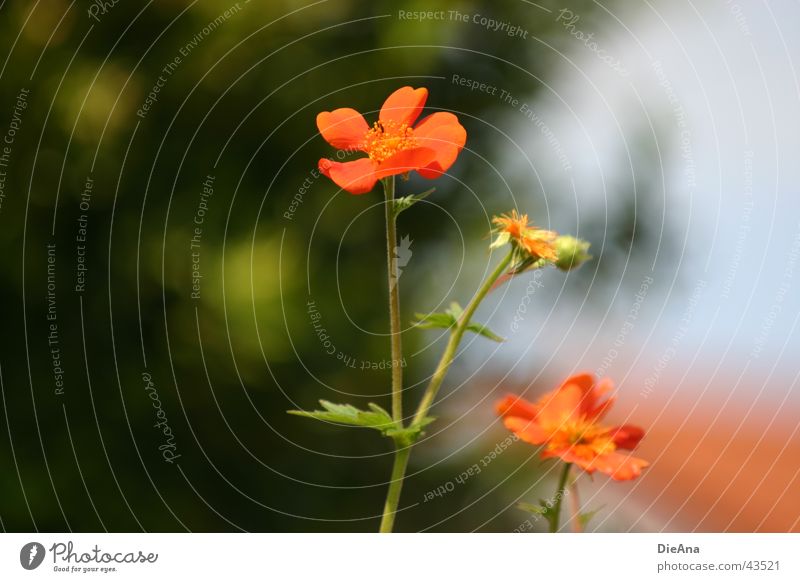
[712,96]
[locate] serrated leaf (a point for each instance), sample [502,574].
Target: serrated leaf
[406,202]
[446,319]
[433,320]
[485,332]
[376,417]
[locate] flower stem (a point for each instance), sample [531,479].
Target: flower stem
[402,450]
[401,455]
[455,338]
[575,503]
[394,301]
[562,487]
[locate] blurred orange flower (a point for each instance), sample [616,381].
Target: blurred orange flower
[394,145]
[566,422]
[514,228]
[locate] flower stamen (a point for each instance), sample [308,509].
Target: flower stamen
[386,138]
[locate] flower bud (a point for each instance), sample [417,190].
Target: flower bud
[571,251]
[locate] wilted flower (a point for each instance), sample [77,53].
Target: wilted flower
[534,242]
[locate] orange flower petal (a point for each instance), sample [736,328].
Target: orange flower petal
[590,400]
[443,133]
[517,406]
[582,380]
[357,177]
[566,422]
[595,409]
[404,161]
[598,412]
[343,128]
[527,430]
[626,436]
[604,386]
[404,105]
[617,466]
[559,406]
[540,248]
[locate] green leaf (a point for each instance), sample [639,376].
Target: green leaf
[376,417]
[444,320]
[532,508]
[485,332]
[585,518]
[433,320]
[542,510]
[550,514]
[406,202]
[450,318]
[455,310]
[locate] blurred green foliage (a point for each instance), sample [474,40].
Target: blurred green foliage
[240,106]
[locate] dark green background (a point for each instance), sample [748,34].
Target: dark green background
[244,99]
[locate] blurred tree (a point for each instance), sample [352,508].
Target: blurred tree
[175,112]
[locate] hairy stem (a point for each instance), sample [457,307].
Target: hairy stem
[394,301]
[401,452]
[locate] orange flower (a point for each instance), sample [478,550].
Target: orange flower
[566,422]
[534,241]
[394,145]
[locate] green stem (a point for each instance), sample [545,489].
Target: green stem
[575,503]
[455,338]
[401,455]
[394,301]
[562,487]
[403,450]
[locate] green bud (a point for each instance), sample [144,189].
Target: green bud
[572,252]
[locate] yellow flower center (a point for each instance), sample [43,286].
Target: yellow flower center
[586,439]
[387,138]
